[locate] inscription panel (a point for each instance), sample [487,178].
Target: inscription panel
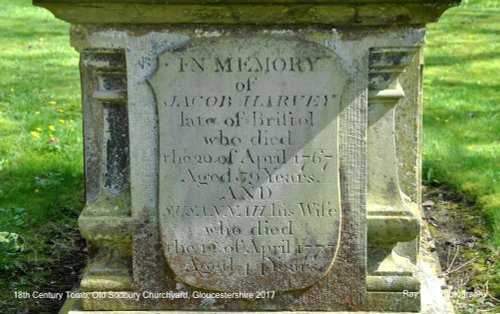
[248,162]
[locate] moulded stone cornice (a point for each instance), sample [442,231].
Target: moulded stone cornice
[260,12]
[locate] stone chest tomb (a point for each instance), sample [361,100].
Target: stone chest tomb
[251,155]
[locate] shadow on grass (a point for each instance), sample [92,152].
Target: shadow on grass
[53,192]
[484,86]
[451,60]
[42,200]
[55,270]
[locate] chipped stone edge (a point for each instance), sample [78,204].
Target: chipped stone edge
[434,293]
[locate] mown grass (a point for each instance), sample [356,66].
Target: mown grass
[461,106]
[41,188]
[41,177]
[41,151]
[462,138]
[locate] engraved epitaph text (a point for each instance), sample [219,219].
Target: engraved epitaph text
[248,162]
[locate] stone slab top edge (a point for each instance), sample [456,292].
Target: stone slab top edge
[249,12]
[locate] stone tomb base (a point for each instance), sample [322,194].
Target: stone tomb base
[272,148]
[434,300]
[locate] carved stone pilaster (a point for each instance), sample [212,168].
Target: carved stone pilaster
[392,217]
[106,219]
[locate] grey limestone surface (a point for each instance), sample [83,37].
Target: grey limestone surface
[264,149]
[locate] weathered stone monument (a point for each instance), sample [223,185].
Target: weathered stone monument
[250,155]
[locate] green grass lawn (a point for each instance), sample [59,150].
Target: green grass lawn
[41,179]
[461,106]
[40,121]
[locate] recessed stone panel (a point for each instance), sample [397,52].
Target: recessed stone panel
[248,162]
